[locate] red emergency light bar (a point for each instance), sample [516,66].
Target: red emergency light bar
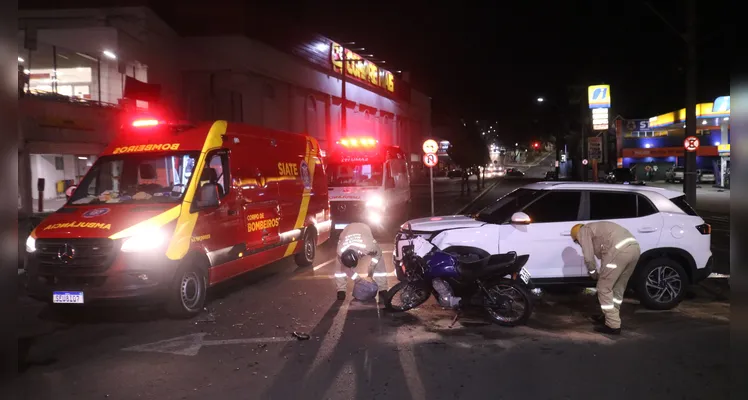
[358,142]
[142,123]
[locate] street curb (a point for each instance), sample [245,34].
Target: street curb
[478,197]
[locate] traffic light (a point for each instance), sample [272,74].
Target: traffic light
[536,145]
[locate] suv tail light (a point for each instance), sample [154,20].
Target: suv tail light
[704,229]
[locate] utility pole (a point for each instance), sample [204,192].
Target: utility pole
[689,179]
[343,116]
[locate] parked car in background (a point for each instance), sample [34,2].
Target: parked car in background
[675,174]
[455,173]
[514,172]
[622,176]
[550,175]
[705,175]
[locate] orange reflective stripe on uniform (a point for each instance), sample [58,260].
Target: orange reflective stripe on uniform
[181,240]
[309,158]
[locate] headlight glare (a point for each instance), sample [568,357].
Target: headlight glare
[375,201]
[144,241]
[30,244]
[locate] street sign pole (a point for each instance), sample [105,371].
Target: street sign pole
[430,159]
[431,176]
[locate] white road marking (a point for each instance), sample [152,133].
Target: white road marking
[317,277]
[716,275]
[189,345]
[324,264]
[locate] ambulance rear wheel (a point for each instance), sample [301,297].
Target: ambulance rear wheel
[305,258]
[188,292]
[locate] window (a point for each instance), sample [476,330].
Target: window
[681,202]
[59,163]
[556,206]
[218,172]
[644,206]
[610,205]
[500,211]
[136,178]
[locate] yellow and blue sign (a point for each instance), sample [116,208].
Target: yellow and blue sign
[721,105]
[599,96]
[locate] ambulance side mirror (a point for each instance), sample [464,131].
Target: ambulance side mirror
[207,196]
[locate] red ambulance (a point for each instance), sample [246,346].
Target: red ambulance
[369,182]
[169,210]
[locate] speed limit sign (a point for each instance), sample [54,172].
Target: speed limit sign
[430,160]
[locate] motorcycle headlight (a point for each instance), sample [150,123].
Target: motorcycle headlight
[30,244]
[375,201]
[144,241]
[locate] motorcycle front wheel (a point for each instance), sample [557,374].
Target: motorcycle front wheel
[508,303]
[406,296]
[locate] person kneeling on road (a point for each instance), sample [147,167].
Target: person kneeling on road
[618,252]
[356,242]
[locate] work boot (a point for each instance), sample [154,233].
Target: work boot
[598,319]
[382,296]
[341,295]
[608,330]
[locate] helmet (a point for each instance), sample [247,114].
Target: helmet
[349,258]
[575,231]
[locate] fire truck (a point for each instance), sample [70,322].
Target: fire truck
[171,209]
[368,182]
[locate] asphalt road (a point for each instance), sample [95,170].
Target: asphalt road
[243,347]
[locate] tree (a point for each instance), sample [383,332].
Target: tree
[468,150]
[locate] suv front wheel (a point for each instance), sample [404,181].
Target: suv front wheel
[661,284]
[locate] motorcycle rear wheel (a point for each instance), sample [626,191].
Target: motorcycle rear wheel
[409,294]
[501,308]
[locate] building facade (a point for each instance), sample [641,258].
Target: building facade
[73,65]
[659,141]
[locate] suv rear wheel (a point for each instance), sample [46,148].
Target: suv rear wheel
[661,284]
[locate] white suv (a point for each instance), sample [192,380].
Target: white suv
[537,219]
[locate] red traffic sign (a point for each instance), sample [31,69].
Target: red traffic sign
[584,162]
[430,146]
[430,160]
[691,143]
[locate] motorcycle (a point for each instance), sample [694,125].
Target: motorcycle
[495,283]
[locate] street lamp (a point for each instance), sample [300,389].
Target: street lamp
[540,99]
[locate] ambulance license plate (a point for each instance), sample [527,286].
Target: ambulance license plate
[67,297]
[524,275]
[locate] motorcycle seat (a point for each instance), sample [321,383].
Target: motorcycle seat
[488,265]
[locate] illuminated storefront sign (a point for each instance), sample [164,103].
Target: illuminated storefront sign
[360,68]
[599,96]
[600,119]
[720,108]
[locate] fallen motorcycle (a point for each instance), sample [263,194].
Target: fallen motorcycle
[499,283]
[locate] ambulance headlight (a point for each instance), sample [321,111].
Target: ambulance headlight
[375,201]
[144,241]
[30,244]
[375,218]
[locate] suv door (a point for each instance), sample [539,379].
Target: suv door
[547,239]
[631,210]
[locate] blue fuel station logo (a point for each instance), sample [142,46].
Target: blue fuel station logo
[599,96]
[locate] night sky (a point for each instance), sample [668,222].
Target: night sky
[492,62]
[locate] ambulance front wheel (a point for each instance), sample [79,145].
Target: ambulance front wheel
[188,292]
[305,258]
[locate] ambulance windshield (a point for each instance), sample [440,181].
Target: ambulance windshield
[353,174]
[136,178]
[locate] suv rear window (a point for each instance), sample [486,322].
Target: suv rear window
[681,202]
